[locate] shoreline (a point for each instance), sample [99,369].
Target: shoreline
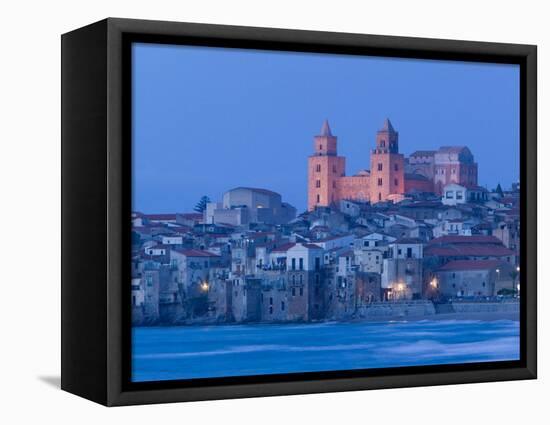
[483,316]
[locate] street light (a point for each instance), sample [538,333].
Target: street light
[517,285]
[204,286]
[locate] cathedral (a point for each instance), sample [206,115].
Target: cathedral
[391,175]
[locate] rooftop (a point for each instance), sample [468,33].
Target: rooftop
[160,217]
[474,250]
[475,239]
[465,265]
[325,129]
[387,127]
[423,153]
[195,253]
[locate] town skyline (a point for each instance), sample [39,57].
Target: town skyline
[193,203]
[261,137]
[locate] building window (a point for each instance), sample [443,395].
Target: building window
[301,291]
[293,262]
[318,183]
[396,182]
[396,167]
[449,194]
[383,143]
[379,167]
[334,168]
[458,194]
[321,147]
[301,262]
[334,184]
[379,196]
[301,279]
[318,168]
[282,306]
[318,198]
[270,310]
[293,292]
[379,182]
[270,300]
[317,263]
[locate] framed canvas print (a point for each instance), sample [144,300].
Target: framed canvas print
[253,212]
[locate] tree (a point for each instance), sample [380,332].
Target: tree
[499,190]
[201,205]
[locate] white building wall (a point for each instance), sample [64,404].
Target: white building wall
[307,255]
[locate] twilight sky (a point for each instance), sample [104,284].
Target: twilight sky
[206,120]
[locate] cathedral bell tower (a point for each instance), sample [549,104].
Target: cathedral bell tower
[387,175]
[325,167]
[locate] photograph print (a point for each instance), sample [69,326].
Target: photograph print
[302,212]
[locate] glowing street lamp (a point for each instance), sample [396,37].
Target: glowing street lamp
[204,286]
[517,285]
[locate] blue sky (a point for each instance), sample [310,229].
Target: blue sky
[206,119]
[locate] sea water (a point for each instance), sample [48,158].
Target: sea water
[186,352]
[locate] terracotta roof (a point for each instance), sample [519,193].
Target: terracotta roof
[159,246]
[192,216]
[474,250]
[181,229]
[256,235]
[311,246]
[195,253]
[475,239]
[423,153]
[162,217]
[285,247]
[460,265]
[452,149]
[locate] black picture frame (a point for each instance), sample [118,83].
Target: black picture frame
[96,195]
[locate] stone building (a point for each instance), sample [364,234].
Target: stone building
[347,288]
[402,270]
[246,300]
[245,205]
[391,175]
[469,278]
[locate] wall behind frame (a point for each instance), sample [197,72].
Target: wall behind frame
[30,173]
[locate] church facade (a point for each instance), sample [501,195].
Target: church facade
[391,174]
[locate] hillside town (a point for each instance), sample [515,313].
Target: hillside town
[411,236]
